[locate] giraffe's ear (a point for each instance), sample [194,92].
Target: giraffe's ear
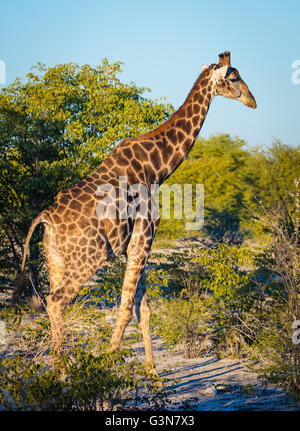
[204,67]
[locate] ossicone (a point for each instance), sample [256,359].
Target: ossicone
[224,59]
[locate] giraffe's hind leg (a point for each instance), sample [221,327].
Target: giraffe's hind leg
[56,271]
[67,276]
[56,304]
[59,298]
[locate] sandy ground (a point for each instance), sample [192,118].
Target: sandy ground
[219,384]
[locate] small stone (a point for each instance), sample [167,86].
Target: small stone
[210,391]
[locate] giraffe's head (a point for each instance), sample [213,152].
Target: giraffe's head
[228,82]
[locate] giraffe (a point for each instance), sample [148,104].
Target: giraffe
[77,240]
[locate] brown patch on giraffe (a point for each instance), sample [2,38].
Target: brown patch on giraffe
[62,228]
[84,222]
[150,173]
[82,259]
[196,96]
[136,165]
[122,161]
[196,108]
[63,199]
[83,241]
[80,184]
[148,145]
[160,145]
[102,168]
[132,176]
[187,145]
[167,153]
[84,198]
[113,181]
[91,251]
[184,125]
[68,216]
[61,209]
[171,134]
[56,218]
[197,130]
[176,159]
[204,74]
[155,158]
[93,243]
[73,230]
[117,171]
[75,205]
[127,153]
[76,191]
[108,162]
[95,222]
[89,208]
[180,136]
[195,121]
[139,152]
[55,205]
[89,189]
[189,111]
[181,113]
[163,173]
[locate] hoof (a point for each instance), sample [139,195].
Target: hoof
[153,375]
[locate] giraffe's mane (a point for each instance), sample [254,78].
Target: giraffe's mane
[174,116]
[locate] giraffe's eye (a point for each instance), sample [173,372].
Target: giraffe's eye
[233,79]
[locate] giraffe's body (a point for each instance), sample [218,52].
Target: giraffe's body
[77,241]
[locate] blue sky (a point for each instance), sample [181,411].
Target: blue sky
[163,44]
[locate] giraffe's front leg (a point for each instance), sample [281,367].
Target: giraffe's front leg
[137,254]
[143,314]
[134,270]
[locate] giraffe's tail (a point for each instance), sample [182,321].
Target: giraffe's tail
[20,277]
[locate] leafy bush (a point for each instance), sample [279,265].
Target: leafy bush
[85,375]
[204,313]
[279,356]
[79,380]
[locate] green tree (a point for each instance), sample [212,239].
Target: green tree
[218,163]
[55,128]
[274,171]
[237,181]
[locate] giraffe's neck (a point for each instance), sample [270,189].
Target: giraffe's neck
[175,138]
